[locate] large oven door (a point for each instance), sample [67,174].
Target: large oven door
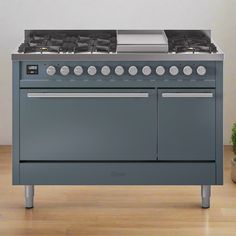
[88,124]
[186,124]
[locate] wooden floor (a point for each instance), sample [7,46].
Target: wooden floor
[115,210]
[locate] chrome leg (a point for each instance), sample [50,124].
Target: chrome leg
[29,196]
[206,195]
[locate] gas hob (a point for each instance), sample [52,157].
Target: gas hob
[114,45]
[109,41]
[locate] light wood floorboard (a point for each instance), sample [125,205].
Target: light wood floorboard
[116,210]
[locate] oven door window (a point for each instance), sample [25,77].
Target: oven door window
[186,124]
[88,125]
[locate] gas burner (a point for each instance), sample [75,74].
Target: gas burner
[195,48]
[100,48]
[69,42]
[182,41]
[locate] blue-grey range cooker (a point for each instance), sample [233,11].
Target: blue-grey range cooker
[106,107]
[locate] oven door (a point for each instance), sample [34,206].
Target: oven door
[186,124]
[88,124]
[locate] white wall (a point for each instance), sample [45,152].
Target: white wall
[17,15]
[225,33]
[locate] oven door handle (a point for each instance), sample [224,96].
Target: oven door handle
[187,95]
[87,95]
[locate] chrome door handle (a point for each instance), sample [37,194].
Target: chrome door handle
[187,95]
[87,95]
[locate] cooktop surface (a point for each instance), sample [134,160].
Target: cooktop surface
[116,41]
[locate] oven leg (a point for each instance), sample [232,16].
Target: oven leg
[29,196]
[206,195]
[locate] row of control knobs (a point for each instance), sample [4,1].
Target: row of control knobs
[119,70]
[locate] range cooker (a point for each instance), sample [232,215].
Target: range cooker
[117,107]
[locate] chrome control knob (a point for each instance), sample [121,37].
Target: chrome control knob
[201,70]
[187,70]
[78,70]
[51,70]
[105,70]
[160,70]
[92,70]
[65,70]
[119,70]
[133,70]
[146,70]
[174,70]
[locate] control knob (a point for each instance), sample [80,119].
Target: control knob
[174,70]
[160,70]
[187,70]
[105,70]
[146,70]
[201,70]
[119,70]
[51,70]
[92,70]
[78,70]
[133,70]
[65,70]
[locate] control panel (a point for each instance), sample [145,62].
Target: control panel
[118,71]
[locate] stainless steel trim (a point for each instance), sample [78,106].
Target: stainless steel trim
[87,95]
[120,57]
[152,48]
[187,95]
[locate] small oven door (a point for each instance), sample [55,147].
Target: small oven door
[88,124]
[186,124]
